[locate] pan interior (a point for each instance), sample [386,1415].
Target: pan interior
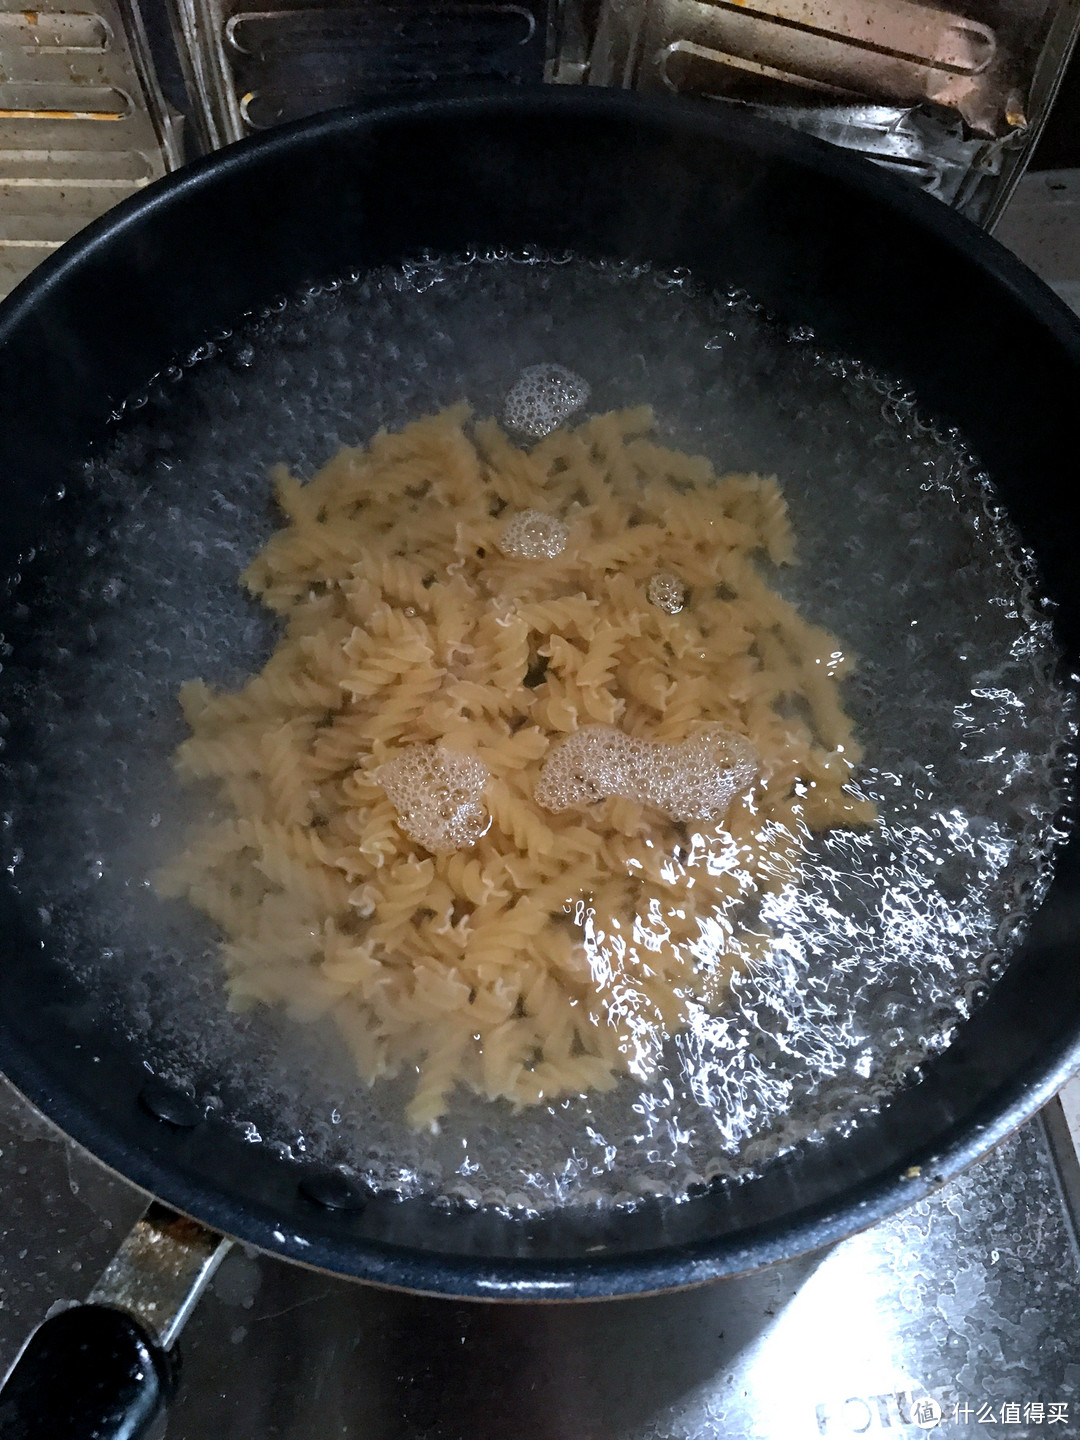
[886,944]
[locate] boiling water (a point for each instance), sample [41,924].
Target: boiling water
[884,946]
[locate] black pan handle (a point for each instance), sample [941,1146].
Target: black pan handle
[106,1370]
[89,1373]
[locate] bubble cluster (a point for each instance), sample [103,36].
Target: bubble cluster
[666,592]
[891,936]
[696,780]
[436,793]
[542,397]
[532,535]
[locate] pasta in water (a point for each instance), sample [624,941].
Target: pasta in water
[383,853]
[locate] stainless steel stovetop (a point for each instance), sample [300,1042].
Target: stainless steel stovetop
[968,1304]
[970,1299]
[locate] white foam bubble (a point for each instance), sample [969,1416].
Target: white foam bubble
[532,535]
[696,780]
[437,794]
[542,397]
[666,592]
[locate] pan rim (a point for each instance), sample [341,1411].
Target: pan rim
[422,1270]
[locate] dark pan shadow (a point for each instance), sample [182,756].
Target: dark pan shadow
[278,1350]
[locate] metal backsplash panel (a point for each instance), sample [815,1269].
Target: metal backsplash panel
[950,96]
[251,68]
[82,123]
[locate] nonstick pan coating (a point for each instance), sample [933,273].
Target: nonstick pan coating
[878,271]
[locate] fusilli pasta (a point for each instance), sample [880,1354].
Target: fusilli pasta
[561,948]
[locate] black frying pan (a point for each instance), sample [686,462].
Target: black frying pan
[878,271]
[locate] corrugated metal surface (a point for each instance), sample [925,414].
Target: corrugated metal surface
[250,68]
[949,96]
[81,125]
